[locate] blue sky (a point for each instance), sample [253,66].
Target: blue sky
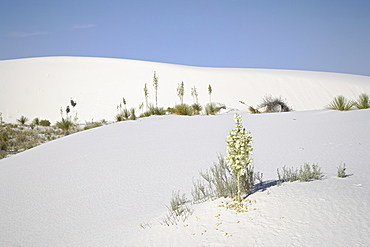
[318,35]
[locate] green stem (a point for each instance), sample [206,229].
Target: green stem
[239,194]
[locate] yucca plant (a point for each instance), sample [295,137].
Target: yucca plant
[132,114]
[239,151]
[65,125]
[363,101]
[36,121]
[340,103]
[197,108]
[22,120]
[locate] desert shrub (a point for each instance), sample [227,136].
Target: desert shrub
[177,210]
[340,103]
[22,120]
[92,124]
[270,104]
[214,183]
[44,122]
[183,109]
[363,101]
[65,125]
[119,118]
[213,108]
[3,139]
[341,173]
[304,174]
[197,108]
[153,110]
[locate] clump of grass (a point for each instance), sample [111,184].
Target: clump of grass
[341,173]
[363,101]
[178,210]
[183,109]
[304,174]
[219,182]
[340,103]
[92,124]
[44,122]
[213,108]
[153,110]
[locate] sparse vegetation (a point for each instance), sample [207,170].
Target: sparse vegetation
[178,210]
[341,173]
[304,174]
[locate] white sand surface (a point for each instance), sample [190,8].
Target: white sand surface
[96,187]
[39,87]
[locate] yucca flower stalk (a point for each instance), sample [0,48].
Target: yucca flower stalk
[239,151]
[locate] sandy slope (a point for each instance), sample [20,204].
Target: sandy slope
[94,188]
[39,87]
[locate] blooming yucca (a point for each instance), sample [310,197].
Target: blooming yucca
[239,151]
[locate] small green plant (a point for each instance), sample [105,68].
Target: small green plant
[153,111]
[341,171]
[197,108]
[253,110]
[36,121]
[177,210]
[215,183]
[363,101]
[183,109]
[92,124]
[22,120]
[304,174]
[65,125]
[132,114]
[44,122]
[340,103]
[239,152]
[213,108]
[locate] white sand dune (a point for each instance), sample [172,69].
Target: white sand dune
[39,87]
[96,187]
